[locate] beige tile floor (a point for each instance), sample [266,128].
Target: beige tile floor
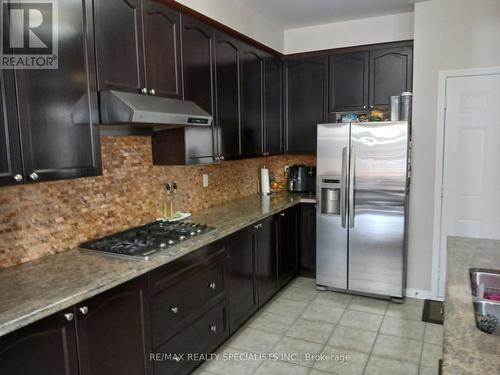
[322,328]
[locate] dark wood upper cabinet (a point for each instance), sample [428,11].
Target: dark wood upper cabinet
[252,65]
[119,45]
[306,82]
[58,107]
[241,274]
[11,169]
[273,106]
[390,74]
[162,49]
[227,66]
[349,82]
[266,250]
[45,347]
[113,332]
[198,63]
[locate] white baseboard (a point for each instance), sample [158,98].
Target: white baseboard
[421,294]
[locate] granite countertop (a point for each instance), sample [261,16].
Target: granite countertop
[37,289]
[467,350]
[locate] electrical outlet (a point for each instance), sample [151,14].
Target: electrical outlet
[205,180]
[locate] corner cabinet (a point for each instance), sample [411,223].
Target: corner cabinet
[306,81]
[144,37]
[92,338]
[56,130]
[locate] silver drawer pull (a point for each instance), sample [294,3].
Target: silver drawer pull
[282,214]
[84,310]
[69,316]
[212,285]
[174,309]
[213,328]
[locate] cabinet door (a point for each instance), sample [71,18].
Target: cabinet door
[266,240]
[251,102]
[119,44]
[349,82]
[241,275]
[288,249]
[273,106]
[113,334]
[227,63]
[10,149]
[162,49]
[307,240]
[306,106]
[58,108]
[198,73]
[45,347]
[390,74]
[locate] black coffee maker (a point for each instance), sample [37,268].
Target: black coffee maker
[301,179]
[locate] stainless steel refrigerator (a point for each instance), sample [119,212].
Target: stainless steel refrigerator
[362,189]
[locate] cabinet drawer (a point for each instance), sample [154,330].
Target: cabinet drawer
[200,338]
[170,307]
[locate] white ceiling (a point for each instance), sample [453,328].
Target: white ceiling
[298,13]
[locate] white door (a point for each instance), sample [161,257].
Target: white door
[471,161]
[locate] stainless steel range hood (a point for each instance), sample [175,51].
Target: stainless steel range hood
[119,107]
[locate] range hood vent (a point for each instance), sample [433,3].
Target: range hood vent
[119,107]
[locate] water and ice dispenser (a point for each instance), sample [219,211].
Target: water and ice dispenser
[330,195]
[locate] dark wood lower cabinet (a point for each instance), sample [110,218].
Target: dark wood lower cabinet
[288,250]
[113,331]
[307,239]
[266,250]
[107,334]
[183,352]
[45,347]
[241,273]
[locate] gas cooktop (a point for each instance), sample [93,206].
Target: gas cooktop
[142,242]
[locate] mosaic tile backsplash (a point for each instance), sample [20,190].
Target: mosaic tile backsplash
[46,218]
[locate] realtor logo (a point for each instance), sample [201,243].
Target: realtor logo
[29,34]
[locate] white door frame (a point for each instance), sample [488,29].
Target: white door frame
[438,254]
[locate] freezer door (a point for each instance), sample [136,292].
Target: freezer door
[377,204]
[331,217]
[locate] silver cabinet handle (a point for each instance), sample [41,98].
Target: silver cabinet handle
[174,309]
[212,285]
[152,92]
[282,214]
[221,157]
[84,310]
[69,316]
[34,176]
[371,106]
[144,90]
[257,226]
[213,328]
[18,178]
[364,107]
[216,158]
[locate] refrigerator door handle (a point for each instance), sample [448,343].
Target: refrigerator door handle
[343,187]
[352,169]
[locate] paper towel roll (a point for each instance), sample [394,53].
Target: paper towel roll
[265,187]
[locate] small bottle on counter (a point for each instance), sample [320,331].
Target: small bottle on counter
[167,203]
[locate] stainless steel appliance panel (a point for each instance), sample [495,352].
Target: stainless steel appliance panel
[331,229]
[376,205]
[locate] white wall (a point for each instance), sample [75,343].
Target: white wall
[449,34]
[239,17]
[350,33]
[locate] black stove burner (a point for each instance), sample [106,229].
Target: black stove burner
[141,242]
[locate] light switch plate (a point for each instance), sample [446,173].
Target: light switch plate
[205,180]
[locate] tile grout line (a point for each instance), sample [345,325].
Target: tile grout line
[375,341]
